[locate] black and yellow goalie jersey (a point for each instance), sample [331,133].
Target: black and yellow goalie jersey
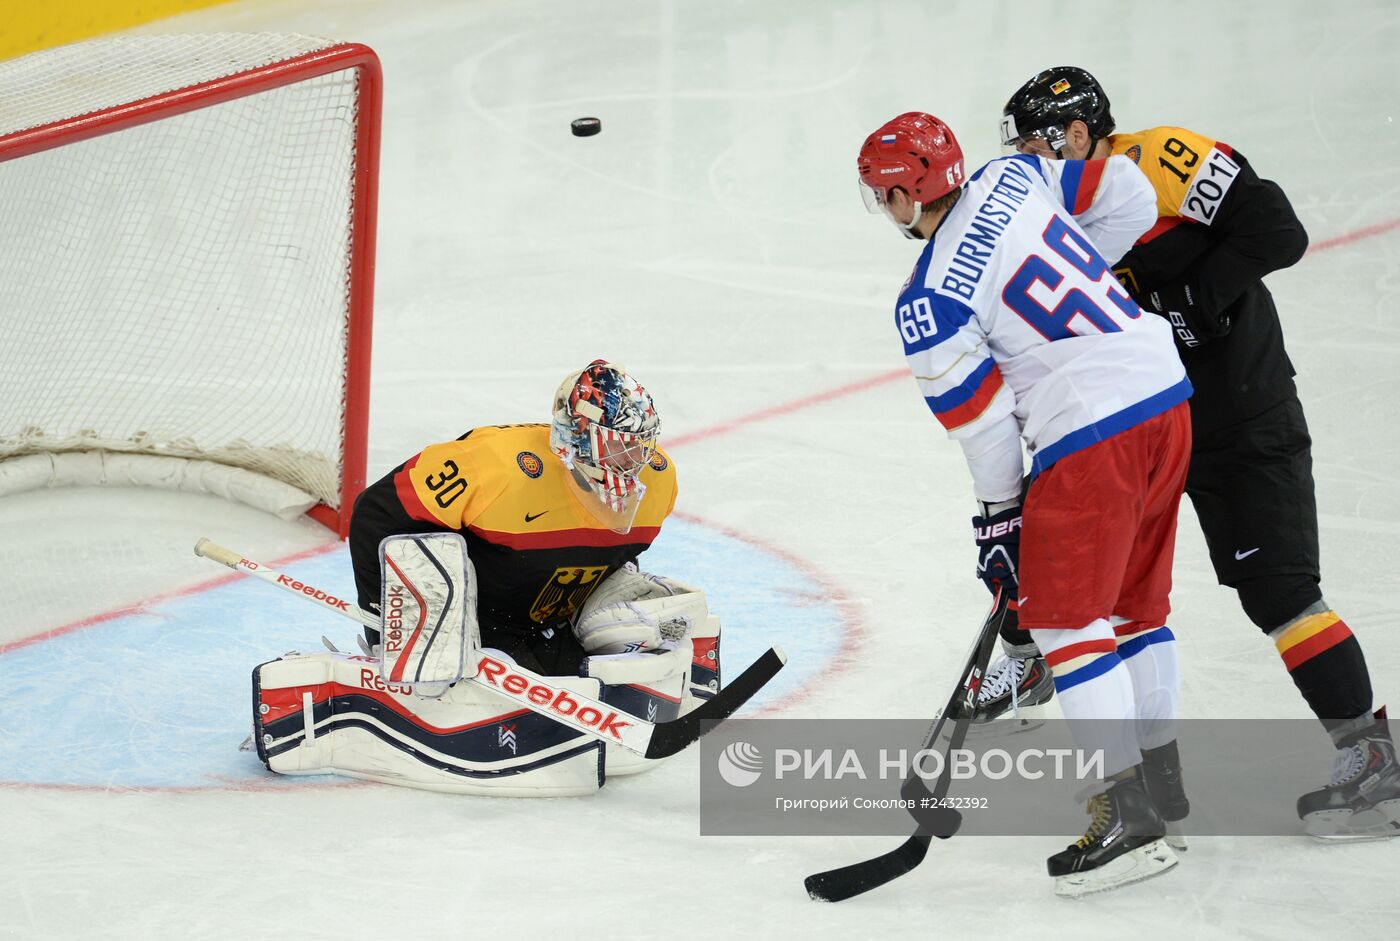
[1219,230]
[538,554]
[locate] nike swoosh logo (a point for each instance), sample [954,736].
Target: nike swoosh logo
[531,518]
[1244,555]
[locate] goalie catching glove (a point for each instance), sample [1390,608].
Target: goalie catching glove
[632,611]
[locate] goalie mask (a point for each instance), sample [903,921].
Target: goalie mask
[604,429]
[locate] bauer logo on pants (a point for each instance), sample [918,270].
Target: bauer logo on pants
[740,764]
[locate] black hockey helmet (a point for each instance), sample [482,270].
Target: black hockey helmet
[1045,105]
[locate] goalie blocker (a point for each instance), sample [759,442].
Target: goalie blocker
[430,633]
[401,719]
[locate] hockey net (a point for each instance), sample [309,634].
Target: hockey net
[186,265]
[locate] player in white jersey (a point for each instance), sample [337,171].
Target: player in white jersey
[1016,330]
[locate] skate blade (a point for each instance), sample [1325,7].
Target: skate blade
[1024,719]
[1381,822]
[1142,863]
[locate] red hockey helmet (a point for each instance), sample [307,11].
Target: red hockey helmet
[916,152]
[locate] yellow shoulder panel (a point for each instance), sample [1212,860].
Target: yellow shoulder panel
[660,479]
[457,481]
[1169,157]
[505,479]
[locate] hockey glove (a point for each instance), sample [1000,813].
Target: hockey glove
[1180,305]
[998,535]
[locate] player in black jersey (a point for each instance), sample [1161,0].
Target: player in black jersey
[1220,230]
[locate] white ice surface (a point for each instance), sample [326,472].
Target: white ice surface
[712,239]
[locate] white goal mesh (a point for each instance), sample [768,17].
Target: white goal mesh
[184,287]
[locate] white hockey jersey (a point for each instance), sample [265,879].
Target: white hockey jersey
[1012,308]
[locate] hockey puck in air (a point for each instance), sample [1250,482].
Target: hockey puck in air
[585,127]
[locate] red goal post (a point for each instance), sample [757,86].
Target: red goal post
[187,267]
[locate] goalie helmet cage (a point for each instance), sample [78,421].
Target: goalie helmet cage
[186,266]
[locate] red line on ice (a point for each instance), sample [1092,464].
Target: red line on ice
[147,603]
[797,405]
[852,623]
[1369,231]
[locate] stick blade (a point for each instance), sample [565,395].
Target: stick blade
[667,738]
[837,885]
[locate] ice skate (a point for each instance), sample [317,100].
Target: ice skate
[1014,697]
[1362,802]
[1124,844]
[1161,773]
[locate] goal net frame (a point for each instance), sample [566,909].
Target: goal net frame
[104,463]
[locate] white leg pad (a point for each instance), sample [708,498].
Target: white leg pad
[704,667]
[649,684]
[332,713]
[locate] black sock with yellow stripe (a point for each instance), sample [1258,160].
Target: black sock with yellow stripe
[1326,663]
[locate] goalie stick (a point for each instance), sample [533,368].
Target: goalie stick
[536,693]
[836,885]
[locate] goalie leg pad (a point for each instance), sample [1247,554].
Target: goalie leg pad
[704,667]
[332,713]
[649,684]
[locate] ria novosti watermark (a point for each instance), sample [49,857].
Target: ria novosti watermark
[740,764]
[800,777]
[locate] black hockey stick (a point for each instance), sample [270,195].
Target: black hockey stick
[667,738]
[836,885]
